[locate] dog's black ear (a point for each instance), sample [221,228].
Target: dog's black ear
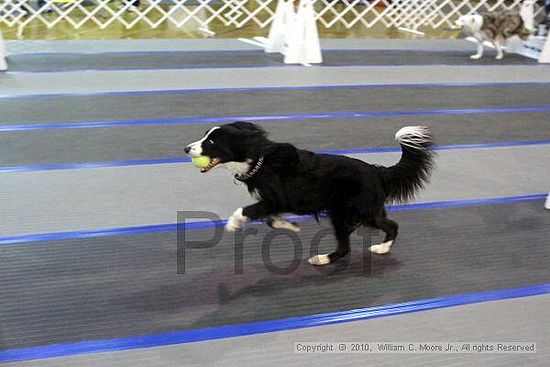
[248,128]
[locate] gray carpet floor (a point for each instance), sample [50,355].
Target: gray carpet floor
[16,85]
[59,62]
[522,315]
[140,195]
[189,103]
[129,285]
[167,141]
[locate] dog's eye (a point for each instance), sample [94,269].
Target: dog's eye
[210,141]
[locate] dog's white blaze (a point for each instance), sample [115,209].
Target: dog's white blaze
[382,248]
[319,260]
[236,220]
[196,147]
[284,224]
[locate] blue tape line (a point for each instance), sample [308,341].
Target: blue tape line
[256,89]
[469,202]
[261,327]
[308,116]
[59,236]
[63,166]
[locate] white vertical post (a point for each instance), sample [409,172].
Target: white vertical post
[3,63]
[282,22]
[545,54]
[536,47]
[303,41]
[527,12]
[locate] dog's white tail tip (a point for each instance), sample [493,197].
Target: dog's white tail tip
[413,136]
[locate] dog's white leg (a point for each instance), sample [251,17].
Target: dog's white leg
[319,260]
[382,248]
[498,46]
[479,53]
[280,223]
[236,220]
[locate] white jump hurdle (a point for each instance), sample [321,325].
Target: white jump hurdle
[282,22]
[303,40]
[294,34]
[537,47]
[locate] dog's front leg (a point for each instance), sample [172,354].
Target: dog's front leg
[479,50]
[235,221]
[498,46]
[251,212]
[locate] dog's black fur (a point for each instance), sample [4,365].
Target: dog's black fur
[350,191]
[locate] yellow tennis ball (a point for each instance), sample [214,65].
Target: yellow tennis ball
[201,162]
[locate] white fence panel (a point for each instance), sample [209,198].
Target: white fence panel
[411,14]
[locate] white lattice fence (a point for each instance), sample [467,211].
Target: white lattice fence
[239,13]
[443,13]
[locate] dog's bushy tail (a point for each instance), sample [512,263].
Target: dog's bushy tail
[413,170]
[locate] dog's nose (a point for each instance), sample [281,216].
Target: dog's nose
[187,149]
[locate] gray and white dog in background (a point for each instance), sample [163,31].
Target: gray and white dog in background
[495,27]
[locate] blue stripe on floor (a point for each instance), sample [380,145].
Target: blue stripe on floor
[257,89]
[65,166]
[59,236]
[230,331]
[300,116]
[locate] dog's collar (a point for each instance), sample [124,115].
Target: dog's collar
[252,172]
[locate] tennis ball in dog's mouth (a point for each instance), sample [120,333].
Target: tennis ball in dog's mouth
[201,162]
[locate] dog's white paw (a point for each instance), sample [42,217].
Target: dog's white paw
[284,224]
[235,221]
[475,57]
[382,248]
[499,57]
[231,227]
[319,260]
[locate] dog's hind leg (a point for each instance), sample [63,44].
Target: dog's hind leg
[281,223]
[479,53]
[342,233]
[390,228]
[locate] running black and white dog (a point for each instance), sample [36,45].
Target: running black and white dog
[285,179]
[495,27]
